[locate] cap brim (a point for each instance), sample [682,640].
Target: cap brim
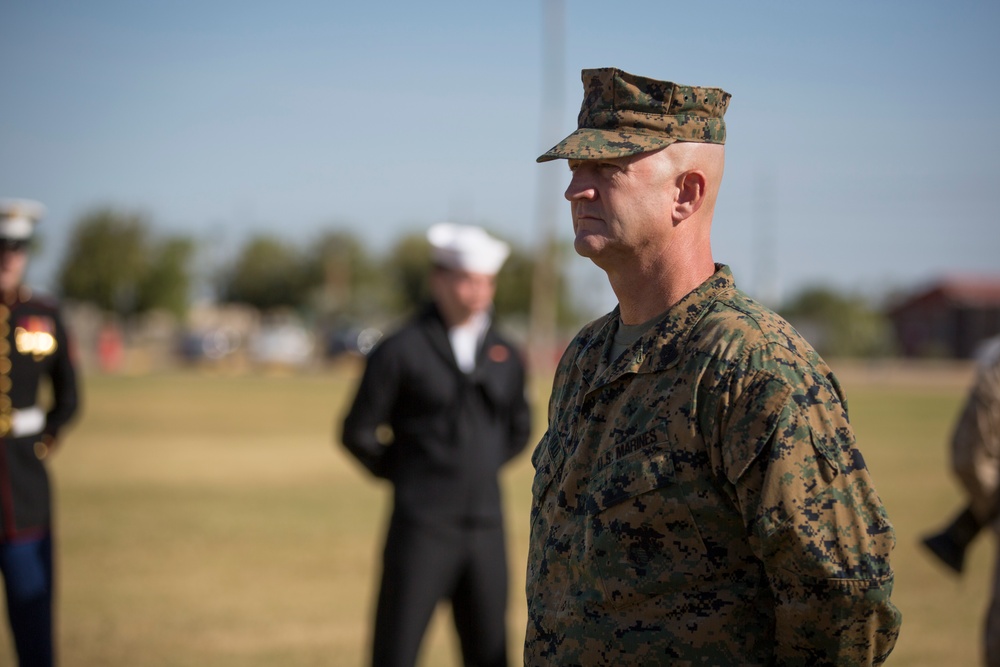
[16,228]
[591,144]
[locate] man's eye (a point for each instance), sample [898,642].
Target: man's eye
[595,165]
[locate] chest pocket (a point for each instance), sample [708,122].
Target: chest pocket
[640,533]
[547,459]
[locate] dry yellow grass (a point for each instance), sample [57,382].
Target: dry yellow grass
[209,519]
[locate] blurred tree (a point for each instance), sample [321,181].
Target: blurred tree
[106,260]
[114,263]
[342,277]
[267,274]
[166,282]
[513,297]
[405,269]
[839,325]
[516,282]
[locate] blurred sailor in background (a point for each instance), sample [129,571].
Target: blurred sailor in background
[451,392]
[33,346]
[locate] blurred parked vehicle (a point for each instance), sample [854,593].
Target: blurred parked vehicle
[208,345]
[351,340]
[285,344]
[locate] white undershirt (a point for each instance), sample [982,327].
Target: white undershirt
[465,340]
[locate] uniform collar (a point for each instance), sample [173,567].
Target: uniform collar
[437,332]
[20,295]
[660,347]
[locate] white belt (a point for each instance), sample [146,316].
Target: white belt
[29,421]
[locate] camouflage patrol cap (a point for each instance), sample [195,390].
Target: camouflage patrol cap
[624,114]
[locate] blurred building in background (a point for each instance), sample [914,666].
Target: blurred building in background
[948,318]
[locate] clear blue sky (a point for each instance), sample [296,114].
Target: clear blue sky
[863,136]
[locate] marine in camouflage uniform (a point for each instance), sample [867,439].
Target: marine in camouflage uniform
[975,450]
[698,496]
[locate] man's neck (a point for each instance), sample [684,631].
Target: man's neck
[10,295]
[644,294]
[473,320]
[454,320]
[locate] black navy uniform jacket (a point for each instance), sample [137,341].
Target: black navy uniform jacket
[33,346]
[451,431]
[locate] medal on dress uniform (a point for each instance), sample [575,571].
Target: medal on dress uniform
[35,336]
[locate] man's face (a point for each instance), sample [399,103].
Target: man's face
[462,294]
[13,261]
[621,205]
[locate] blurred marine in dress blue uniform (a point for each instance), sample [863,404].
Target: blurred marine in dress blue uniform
[33,348]
[450,390]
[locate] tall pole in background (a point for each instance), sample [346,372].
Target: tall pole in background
[766,287]
[544,302]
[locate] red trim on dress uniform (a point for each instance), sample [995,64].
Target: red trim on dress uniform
[6,495]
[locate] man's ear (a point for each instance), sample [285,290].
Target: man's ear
[691,188]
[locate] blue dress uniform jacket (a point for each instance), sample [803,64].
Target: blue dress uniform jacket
[33,346]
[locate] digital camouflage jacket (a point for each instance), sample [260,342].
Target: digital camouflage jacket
[701,501]
[975,443]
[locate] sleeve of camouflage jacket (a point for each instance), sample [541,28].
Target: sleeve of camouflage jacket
[975,443]
[812,515]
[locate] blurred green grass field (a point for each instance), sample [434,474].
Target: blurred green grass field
[209,519]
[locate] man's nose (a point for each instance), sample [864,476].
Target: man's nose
[580,187]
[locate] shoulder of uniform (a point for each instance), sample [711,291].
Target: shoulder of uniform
[498,336]
[41,300]
[589,330]
[756,325]
[400,336]
[745,339]
[988,354]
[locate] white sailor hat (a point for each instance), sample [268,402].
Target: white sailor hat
[18,218]
[466,248]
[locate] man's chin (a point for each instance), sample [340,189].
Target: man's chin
[588,245]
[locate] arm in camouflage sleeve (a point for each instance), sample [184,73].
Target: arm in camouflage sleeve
[975,443]
[814,519]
